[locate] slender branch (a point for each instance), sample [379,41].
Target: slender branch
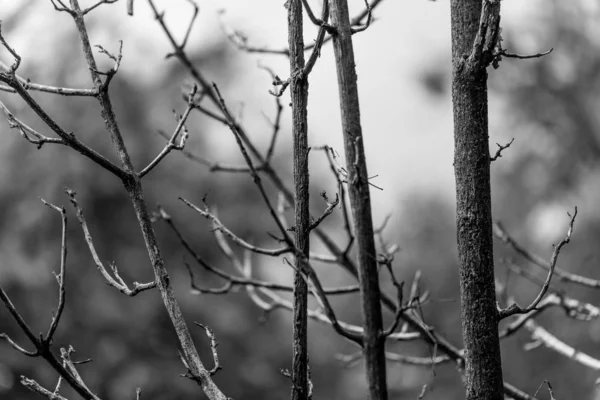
[13,68]
[503,53]
[61,277]
[117,282]
[369,19]
[501,148]
[68,138]
[37,388]
[213,347]
[28,133]
[278,302]
[514,308]
[217,224]
[541,335]
[171,144]
[352,359]
[573,309]
[99,3]
[28,85]
[241,41]
[535,259]
[42,344]
[330,207]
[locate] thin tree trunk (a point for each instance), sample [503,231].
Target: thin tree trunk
[133,186]
[299,95]
[483,367]
[360,202]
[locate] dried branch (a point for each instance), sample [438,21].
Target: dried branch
[62,275]
[217,224]
[573,309]
[13,68]
[42,343]
[68,138]
[368,23]
[117,282]
[514,308]
[28,85]
[541,336]
[501,148]
[37,388]
[99,3]
[212,165]
[171,144]
[28,133]
[277,302]
[61,7]
[301,72]
[340,173]
[535,259]
[330,207]
[241,41]
[503,53]
[213,347]
[231,280]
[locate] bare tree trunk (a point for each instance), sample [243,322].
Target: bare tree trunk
[299,95]
[360,202]
[470,57]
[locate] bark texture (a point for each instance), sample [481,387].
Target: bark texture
[479,315]
[360,202]
[299,95]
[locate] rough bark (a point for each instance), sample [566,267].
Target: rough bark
[299,95]
[470,56]
[360,202]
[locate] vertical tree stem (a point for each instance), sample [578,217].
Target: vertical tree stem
[299,95]
[483,368]
[360,202]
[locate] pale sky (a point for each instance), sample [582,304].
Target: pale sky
[408,131]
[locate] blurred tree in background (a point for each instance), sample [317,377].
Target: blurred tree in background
[549,105]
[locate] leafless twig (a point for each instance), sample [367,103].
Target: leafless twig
[117,282]
[514,308]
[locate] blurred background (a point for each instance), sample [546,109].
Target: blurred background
[549,105]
